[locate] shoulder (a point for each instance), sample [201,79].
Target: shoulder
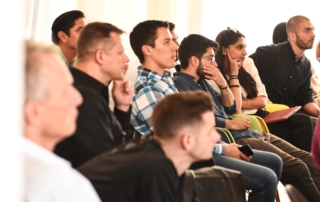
[249,66]
[55,178]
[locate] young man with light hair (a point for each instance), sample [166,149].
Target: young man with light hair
[50,113]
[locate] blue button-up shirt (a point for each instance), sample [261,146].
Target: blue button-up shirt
[186,82]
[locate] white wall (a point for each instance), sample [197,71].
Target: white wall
[257,19]
[11,88]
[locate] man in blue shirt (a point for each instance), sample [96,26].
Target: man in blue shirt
[197,65]
[152,43]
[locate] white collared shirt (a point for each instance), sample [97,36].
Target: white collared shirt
[51,178]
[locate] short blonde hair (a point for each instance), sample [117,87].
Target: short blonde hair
[36,86]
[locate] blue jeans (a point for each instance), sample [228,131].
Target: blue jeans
[261,174]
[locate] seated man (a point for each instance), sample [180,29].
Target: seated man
[152,42]
[286,71]
[152,170]
[65,33]
[197,54]
[50,113]
[101,58]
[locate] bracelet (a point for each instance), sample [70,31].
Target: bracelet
[233,78]
[233,75]
[223,87]
[234,86]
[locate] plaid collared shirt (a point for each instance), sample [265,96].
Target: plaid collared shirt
[150,88]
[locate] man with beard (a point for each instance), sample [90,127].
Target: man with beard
[197,57]
[153,44]
[284,69]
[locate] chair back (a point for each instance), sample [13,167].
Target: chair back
[294,194]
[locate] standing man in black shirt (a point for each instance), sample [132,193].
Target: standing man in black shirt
[153,170]
[101,58]
[284,69]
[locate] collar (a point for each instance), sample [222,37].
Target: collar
[144,72]
[186,76]
[73,62]
[83,78]
[293,56]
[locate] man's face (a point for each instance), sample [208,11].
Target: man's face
[305,35]
[116,63]
[206,60]
[238,50]
[205,138]
[176,41]
[59,112]
[74,33]
[164,52]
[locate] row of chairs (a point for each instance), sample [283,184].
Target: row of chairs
[258,124]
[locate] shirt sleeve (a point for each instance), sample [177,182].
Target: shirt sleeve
[304,93]
[228,110]
[124,120]
[220,122]
[142,108]
[219,149]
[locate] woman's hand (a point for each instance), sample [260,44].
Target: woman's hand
[234,64]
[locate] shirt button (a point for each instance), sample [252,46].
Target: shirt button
[285,89]
[290,77]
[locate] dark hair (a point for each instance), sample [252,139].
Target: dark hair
[226,38]
[172,26]
[93,35]
[64,23]
[194,45]
[145,33]
[179,110]
[280,33]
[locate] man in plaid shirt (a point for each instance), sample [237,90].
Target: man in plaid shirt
[153,82]
[152,42]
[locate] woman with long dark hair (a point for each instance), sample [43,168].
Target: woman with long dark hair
[249,92]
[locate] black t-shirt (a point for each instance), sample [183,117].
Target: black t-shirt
[135,172]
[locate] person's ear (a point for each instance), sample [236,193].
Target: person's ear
[32,112]
[146,50]
[187,141]
[99,56]
[291,36]
[194,61]
[224,50]
[62,36]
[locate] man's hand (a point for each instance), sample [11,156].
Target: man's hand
[213,73]
[238,124]
[122,93]
[232,150]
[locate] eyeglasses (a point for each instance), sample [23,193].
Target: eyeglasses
[211,58]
